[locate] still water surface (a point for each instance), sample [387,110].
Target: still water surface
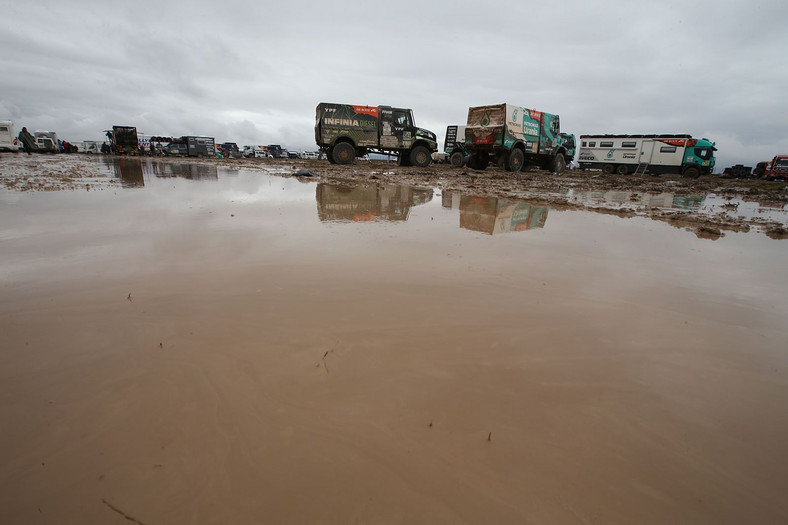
[201,345]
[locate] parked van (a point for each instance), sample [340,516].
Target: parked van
[7,137]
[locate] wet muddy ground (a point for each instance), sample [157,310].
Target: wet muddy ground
[223,342]
[709,205]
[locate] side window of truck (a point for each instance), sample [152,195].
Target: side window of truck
[401,118]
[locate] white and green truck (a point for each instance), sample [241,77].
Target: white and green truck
[515,137]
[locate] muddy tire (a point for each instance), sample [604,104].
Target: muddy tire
[622,169]
[516,160]
[457,159]
[477,163]
[608,169]
[558,164]
[420,156]
[692,173]
[343,153]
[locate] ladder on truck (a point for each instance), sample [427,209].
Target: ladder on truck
[641,169]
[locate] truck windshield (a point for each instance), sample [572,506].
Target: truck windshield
[783,163]
[703,153]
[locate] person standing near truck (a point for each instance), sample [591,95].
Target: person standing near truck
[27,140]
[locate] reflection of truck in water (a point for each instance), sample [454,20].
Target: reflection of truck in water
[123,140]
[655,154]
[368,203]
[514,137]
[344,132]
[492,215]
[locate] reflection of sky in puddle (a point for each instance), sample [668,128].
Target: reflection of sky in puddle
[228,220]
[709,205]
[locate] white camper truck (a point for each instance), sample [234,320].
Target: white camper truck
[7,136]
[655,154]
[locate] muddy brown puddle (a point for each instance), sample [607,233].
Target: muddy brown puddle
[198,345]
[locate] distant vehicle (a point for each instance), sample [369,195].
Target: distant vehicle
[738,171]
[655,154]
[777,168]
[760,169]
[256,152]
[46,141]
[293,155]
[90,147]
[309,155]
[454,146]
[123,140]
[514,137]
[345,131]
[191,146]
[276,151]
[176,149]
[229,150]
[7,138]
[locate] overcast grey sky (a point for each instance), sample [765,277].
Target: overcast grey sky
[253,73]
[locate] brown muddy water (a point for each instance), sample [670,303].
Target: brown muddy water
[199,345]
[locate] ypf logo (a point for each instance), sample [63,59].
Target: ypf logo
[486,119]
[610,154]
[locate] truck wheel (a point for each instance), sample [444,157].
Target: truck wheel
[457,159]
[622,169]
[516,160]
[608,169]
[559,163]
[692,173]
[343,153]
[420,156]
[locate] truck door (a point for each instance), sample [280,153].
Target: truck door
[646,151]
[396,126]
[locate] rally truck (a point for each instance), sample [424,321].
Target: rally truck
[123,140]
[654,154]
[344,132]
[514,137]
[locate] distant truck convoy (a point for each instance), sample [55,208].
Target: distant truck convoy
[655,154]
[514,137]
[777,168]
[7,137]
[123,140]
[344,132]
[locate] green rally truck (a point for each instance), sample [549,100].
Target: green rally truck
[345,131]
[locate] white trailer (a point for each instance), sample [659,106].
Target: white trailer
[655,154]
[7,136]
